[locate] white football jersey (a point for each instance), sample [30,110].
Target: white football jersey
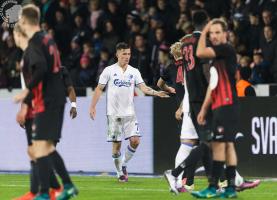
[120,89]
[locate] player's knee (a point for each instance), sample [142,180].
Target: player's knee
[189,141]
[134,142]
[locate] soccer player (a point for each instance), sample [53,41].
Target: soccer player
[48,98]
[25,116]
[222,97]
[121,80]
[174,74]
[196,84]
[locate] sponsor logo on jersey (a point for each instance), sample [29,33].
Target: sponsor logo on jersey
[122,83]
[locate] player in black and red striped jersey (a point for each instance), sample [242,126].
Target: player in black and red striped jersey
[48,98]
[222,97]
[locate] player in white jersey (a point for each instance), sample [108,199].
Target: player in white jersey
[121,80]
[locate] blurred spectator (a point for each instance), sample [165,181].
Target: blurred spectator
[95,14]
[163,62]
[260,69]
[62,30]
[85,73]
[48,9]
[110,37]
[97,42]
[140,58]
[103,62]
[72,60]
[80,29]
[159,39]
[269,50]
[268,19]
[244,87]
[254,32]
[245,61]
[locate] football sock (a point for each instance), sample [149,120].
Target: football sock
[44,167]
[216,172]
[34,180]
[230,175]
[191,160]
[182,154]
[118,163]
[53,180]
[207,160]
[59,166]
[130,151]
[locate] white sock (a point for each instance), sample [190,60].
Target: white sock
[130,151]
[182,154]
[118,163]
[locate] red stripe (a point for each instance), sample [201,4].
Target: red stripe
[38,102]
[223,90]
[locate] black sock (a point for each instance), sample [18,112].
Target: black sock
[223,176]
[216,172]
[230,175]
[53,180]
[44,167]
[193,158]
[34,181]
[207,160]
[59,166]
[190,174]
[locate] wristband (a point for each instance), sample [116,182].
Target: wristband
[73,104]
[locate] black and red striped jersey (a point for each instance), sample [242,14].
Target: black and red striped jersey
[46,82]
[225,64]
[195,79]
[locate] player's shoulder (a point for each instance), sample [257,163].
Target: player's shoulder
[133,69]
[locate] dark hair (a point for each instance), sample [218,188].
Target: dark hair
[222,23]
[31,13]
[245,73]
[122,45]
[200,18]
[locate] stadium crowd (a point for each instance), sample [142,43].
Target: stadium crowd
[87,31]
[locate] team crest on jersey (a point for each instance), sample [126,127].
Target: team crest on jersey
[122,83]
[115,74]
[131,76]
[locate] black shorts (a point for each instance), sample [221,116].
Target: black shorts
[225,123]
[203,131]
[48,124]
[28,129]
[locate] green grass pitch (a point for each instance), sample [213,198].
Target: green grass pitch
[107,188]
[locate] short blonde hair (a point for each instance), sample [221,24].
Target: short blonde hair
[175,50]
[31,13]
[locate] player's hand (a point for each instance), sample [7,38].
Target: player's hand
[162,94]
[21,115]
[201,117]
[73,112]
[171,90]
[92,113]
[178,114]
[21,96]
[207,27]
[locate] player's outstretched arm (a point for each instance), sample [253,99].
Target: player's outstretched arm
[72,98]
[163,86]
[97,93]
[149,91]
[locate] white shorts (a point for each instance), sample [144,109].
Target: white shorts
[188,130]
[122,127]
